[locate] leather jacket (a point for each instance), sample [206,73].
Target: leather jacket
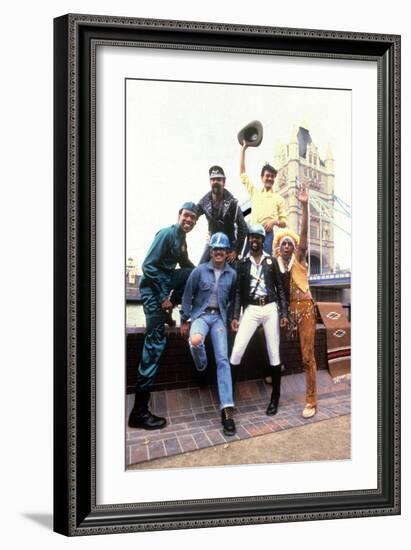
[273,284]
[229,220]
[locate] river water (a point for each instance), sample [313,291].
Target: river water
[135,315]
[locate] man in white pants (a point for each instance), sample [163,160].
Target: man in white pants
[260,293]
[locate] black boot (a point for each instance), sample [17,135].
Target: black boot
[141,417]
[234,379]
[227,420]
[275,373]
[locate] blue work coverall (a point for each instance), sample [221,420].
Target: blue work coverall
[160,277]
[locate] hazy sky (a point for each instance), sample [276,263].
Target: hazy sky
[176,130]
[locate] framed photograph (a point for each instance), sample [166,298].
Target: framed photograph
[162,132]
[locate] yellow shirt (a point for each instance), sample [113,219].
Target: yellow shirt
[265,205]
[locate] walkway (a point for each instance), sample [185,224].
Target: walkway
[194,419]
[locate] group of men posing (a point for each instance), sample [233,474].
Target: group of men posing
[269,285]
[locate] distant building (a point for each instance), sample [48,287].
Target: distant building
[298,162]
[132,280]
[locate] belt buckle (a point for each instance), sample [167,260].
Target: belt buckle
[262,300]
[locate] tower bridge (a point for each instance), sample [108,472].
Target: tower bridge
[299,163]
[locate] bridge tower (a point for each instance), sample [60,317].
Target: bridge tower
[299,162]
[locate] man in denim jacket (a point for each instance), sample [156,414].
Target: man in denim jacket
[207,297]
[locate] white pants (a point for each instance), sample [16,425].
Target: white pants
[253,317]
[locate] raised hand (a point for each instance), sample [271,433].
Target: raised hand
[302,194]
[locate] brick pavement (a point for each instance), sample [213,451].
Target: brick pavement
[193,416]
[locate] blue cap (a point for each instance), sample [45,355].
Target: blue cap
[219,240]
[190,206]
[256,229]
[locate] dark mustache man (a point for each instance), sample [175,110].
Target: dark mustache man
[223,215]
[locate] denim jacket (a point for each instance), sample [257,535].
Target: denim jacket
[198,289]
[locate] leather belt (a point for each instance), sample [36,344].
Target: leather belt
[212,310]
[261,301]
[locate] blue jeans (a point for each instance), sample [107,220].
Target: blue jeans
[202,325]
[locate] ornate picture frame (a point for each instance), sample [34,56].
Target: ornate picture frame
[76,39]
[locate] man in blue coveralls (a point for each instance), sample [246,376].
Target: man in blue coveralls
[207,297]
[161,288]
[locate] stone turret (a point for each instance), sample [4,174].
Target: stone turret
[299,162]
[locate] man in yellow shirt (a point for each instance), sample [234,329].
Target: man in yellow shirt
[267,207]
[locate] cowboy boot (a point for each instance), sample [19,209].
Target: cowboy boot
[141,417]
[275,373]
[234,379]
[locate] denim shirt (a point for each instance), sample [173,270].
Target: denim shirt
[198,289]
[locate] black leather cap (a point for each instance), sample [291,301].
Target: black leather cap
[252,134]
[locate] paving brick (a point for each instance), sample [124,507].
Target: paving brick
[138,453]
[264,389]
[275,426]
[244,391]
[191,431]
[206,415]
[202,440]
[295,421]
[187,443]
[183,419]
[183,399]
[242,432]
[205,397]
[254,391]
[265,428]
[159,402]
[215,436]
[215,398]
[172,401]
[254,430]
[195,399]
[247,408]
[156,450]
[158,436]
[194,419]
[204,422]
[172,446]
[170,427]
[283,422]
